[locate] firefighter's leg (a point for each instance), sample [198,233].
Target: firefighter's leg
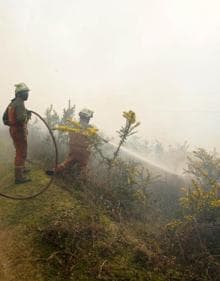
[21,154]
[65,164]
[20,143]
[70,161]
[83,159]
[24,156]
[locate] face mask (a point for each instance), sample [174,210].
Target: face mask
[24,95]
[84,121]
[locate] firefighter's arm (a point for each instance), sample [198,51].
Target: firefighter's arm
[21,113]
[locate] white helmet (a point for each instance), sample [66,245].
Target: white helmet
[21,87]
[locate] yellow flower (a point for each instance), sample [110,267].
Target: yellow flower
[215,203]
[92,131]
[130,116]
[67,129]
[83,131]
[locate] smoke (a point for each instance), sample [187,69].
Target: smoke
[159,58]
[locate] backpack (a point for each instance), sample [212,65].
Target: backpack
[5,118]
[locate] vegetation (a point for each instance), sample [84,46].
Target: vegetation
[107,224]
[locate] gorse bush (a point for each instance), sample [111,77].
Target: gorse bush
[122,190]
[194,239]
[113,231]
[201,204]
[41,149]
[204,168]
[202,199]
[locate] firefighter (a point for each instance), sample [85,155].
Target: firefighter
[18,117]
[79,146]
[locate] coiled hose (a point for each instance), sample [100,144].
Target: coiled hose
[55,164]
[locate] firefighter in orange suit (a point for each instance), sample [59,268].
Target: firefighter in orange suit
[18,117]
[79,147]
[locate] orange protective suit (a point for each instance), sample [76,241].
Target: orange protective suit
[19,137]
[79,153]
[18,117]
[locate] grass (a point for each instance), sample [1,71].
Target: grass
[67,235]
[37,235]
[20,221]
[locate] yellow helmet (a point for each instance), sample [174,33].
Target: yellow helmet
[21,87]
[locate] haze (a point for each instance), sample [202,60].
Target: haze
[160,58]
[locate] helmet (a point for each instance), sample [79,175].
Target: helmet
[21,87]
[86,113]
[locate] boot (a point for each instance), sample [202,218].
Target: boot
[50,172]
[19,177]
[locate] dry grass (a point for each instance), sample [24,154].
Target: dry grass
[16,258]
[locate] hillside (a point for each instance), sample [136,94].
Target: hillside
[77,230]
[34,231]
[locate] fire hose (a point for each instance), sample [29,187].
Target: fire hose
[55,164]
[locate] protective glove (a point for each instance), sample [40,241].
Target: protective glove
[28,114]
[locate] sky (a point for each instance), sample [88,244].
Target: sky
[160,58]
